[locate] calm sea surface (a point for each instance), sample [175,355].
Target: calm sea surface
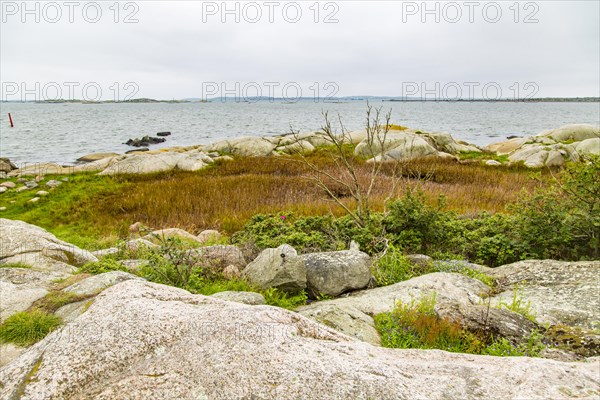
[63,132]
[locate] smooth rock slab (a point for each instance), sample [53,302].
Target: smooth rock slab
[141,340]
[97,283]
[250,298]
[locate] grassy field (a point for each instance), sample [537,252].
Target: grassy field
[94,211]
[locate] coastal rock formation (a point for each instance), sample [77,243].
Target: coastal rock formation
[556,293]
[145,141]
[333,273]
[251,298]
[155,341]
[409,144]
[551,148]
[161,235]
[6,165]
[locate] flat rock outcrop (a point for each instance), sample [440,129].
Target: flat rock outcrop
[155,341]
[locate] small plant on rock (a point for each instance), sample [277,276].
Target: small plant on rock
[26,328]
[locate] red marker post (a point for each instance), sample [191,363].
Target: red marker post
[11,122]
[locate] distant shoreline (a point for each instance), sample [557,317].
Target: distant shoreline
[331,100]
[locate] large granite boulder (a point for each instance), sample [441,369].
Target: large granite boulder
[336,272]
[144,164]
[280,268]
[572,133]
[558,292]
[143,340]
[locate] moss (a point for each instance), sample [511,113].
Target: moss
[55,300]
[482,156]
[583,342]
[29,377]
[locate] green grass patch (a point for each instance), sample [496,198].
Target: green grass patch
[70,211]
[15,265]
[415,326]
[482,156]
[55,300]
[394,267]
[27,328]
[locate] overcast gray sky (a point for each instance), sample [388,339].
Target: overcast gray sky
[180,49]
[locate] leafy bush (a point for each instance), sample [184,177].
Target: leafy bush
[563,222]
[415,326]
[27,328]
[275,297]
[308,234]
[531,347]
[415,226]
[394,267]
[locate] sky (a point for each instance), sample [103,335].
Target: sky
[183,49]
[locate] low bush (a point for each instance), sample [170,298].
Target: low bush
[415,326]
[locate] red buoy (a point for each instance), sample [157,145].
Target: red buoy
[10,119]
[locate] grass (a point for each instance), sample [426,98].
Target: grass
[27,328]
[415,325]
[69,211]
[94,211]
[15,265]
[394,267]
[519,306]
[482,156]
[55,300]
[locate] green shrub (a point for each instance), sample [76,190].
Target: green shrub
[275,297]
[415,325]
[307,234]
[563,222]
[27,328]
[394,267]
[417,227]
[531,347]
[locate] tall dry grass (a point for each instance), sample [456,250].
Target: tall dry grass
[226,195]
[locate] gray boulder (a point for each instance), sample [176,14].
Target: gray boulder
[143,340]
[573,132]
[557,292]
[218,256]
[336,272]
[6,165]
[280,268]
